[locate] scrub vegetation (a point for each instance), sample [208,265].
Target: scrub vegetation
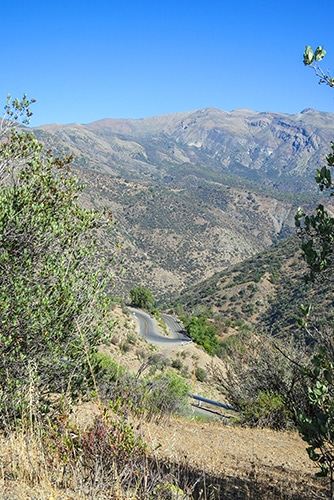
[77,422]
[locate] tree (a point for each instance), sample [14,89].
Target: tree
[53,307]
[317,234]
[202,332]
[317,230]
[141,297]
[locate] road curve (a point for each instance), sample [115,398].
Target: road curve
[174,327]
[148,329]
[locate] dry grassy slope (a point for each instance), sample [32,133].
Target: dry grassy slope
[271,459]
[249,463]
[268,458]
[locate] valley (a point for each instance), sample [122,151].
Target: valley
[194,193]
[203,209]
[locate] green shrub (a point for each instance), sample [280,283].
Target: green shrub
[268,410]
[202,332]
[131,338]
[201,374]
[142,297]
[106,369]
[177,363]
[168,394]
[96,452]
[54,309]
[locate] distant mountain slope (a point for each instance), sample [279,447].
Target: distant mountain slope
[278,150]
[194,193]
[265,292]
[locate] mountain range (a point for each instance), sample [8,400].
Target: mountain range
[193,193]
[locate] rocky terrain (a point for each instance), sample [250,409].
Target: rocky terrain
[278,150]
[194,193]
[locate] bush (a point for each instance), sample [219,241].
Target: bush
[53,306]
[141,297]
[268,410]
[202,332]
[177,363]
[201,374]
[264,382]
[131,338]
[106,456]
[109,442]
[167,394]
[106,369]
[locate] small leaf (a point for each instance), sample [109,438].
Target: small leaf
[324,471]
[308,56]
[312,454]
[306,309]
[319,53]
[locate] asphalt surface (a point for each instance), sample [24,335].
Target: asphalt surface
[149,330]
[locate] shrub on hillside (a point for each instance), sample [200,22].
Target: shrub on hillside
[201,374]
[54,309]
[167,394]
[202,332]
[264,381]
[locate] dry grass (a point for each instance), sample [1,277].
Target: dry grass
[206,460]
[249,459]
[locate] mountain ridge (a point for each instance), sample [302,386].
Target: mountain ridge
[195,192]
[242,141]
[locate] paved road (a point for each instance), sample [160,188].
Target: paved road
[149,330]
[174,327]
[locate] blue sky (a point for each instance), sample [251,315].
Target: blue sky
[84,60]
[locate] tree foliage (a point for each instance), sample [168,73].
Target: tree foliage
[317,233]
[202,332]
[141,297]
[53,305]
[317,427]
[312,58]
[317,230]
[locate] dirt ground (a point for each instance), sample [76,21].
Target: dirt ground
[264,456]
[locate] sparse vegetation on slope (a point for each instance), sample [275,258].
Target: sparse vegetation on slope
[187,217]
[263,292]
[194,193]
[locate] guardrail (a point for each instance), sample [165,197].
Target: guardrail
[212,402]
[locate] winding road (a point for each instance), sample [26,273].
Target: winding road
[148,329]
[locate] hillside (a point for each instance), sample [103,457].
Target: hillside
[172,238]
[262,293]
[194,193]
[220,459]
